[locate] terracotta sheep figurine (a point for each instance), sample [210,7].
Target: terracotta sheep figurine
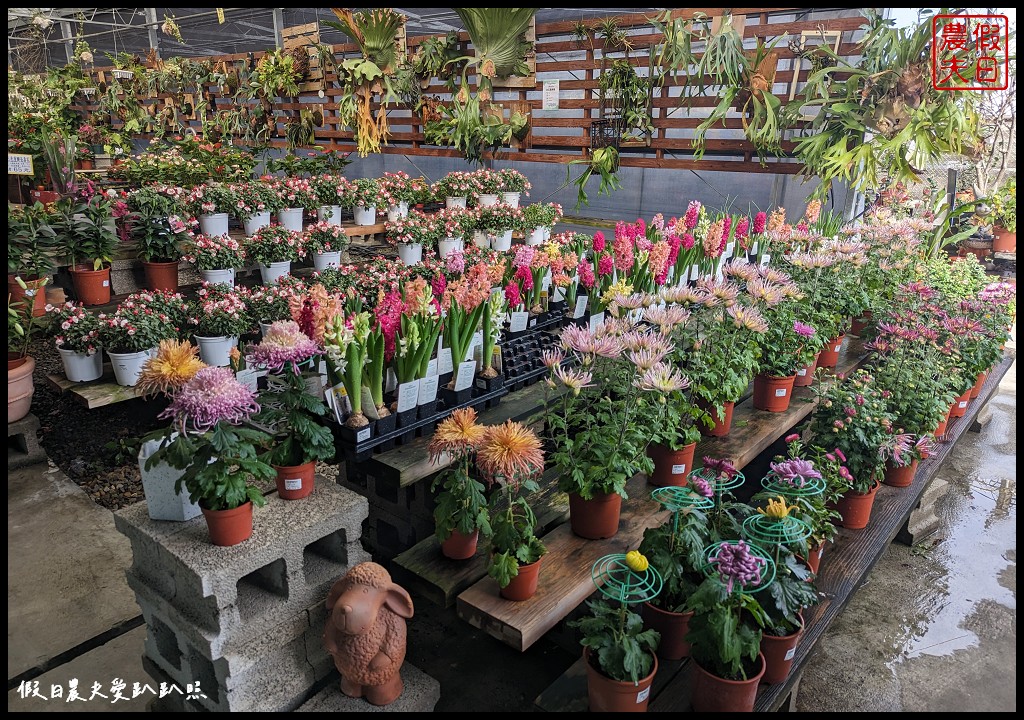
[365,632]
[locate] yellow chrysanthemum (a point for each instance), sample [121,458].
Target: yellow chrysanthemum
[174,365]
[777,509]
[510,450]
[457,434]
[636,561]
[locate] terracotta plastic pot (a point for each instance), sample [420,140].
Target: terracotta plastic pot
[596,518]
[859,325]
[92,287]
[856,508]
[1003,240]
[813,559]
[523,585]
[900,476]
[959,408]
[805,375]
[18,295]
[20,387]
[829,356]
[161,275]
[229,527]
[607,695]
[459,546]
[778,652]
[295,482]
[979,383]
[722,424]
[773,393]
[672,626]
[714,694]
[671,467]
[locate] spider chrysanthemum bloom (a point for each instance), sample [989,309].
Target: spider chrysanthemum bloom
[458,434]
[645,359]
[766,292]
[283,344]
[552,357]
[174,365]
[685,295]
[211,397]
[778,509]
[574,379]
[739,271]
[662,379]
[511,451]
[748,319]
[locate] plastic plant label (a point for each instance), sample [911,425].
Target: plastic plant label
[596,321]
[755,248]
[518,322]
[765,259]
[791,653]
[694,272]
[533,322]
[106,283]
[679,469]
[581,306]
[464,376]
[408,393]
[369,409]
[729,249]
[780,392]
[558,294]
[802,372]
[293,483]
[643,695]
[962,405]
[390,380]
[247,378]
[363,435]
[432,367]
[837,347]
[444,362]
[546,282]
[428,390]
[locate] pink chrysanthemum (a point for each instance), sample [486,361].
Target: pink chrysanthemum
[211,397]
[283,344]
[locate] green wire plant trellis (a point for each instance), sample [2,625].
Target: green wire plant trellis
[776,531]
[719,482]
[617,581]
[812,486]
[767,572]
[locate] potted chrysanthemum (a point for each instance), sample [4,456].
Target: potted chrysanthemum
[290,411]
[218,451]
[461,511]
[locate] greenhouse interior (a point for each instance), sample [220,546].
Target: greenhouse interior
[511,359]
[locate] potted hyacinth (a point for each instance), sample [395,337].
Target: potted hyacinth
[397,192]
[346,344]
[512,185]
[215,257]
[365,199]
[418,327]
[494,225]
[76,334]
[463,302]
[488,187]
[218,318]
[412,233]
[330,191]
[325,241]
[213,204]
[255,200]
[460,510]
[210,439]
[455,188]
[538,219]
[295,197]
[275,248]
[290,413]
[453,224]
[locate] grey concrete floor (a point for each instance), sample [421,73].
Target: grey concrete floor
[934,628]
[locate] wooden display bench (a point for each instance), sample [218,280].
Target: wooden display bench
[844,568]
[97,393]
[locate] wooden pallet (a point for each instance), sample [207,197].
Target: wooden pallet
[98,393]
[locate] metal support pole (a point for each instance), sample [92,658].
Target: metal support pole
[151,26]
[278,28]
[69,43]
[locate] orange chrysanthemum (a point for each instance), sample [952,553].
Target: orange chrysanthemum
[174,365]
[457,434]
[511,451]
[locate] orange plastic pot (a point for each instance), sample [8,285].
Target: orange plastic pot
[524,585]
[92,287]
[161,275]
[779,652]
[805,375]
[856,508]
[672,627]
[773,393]
[829,356]
[1003,240]
[295,482]
[813,559]
[859,325]
[229,527]
[722,424]
[459,546]
[978,385]
[608,695]
[17,294]
[959,408]
[596,518]
[900,476]
[715,694]
[671,467]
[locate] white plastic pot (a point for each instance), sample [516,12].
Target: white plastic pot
[502,241]
[256,222]
[480,239]
[79,367]
[455,202]
[449,246]
[398,211]
[322,261]
[275,271]
[511,198]
[365,216]
[158,484]
[216,351]
[265,327]
[290,219]
[329,214]
[128,366]
[214,225]
[488,199]
[226,277]
[537,236]
[410,253]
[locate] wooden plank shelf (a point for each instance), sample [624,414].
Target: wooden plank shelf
[844,568]
[97,393]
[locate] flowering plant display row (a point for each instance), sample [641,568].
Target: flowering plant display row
[214,252]
[274,243]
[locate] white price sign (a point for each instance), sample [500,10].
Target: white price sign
[550,95]
[408,394]
[464,377]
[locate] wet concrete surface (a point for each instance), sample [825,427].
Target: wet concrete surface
[934,628]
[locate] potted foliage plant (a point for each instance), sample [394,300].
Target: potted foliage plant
[213,203]
[93,239]
[218,451]
[538,219]
[365,199]
[255,200]
[274,248]
[786,346]
[1004,218]
[290,412]
[76,334]
[618,651]
[218,317]
[21,325]
[510,456]
[674,438]
[159,239]
[215,257]
[461,511]
[325,241]
[32,245]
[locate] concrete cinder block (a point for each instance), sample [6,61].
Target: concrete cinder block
[23,448]
[420,694]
